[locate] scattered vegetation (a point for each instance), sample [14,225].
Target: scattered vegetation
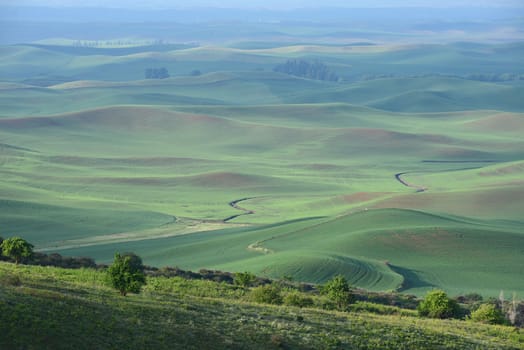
[65,308]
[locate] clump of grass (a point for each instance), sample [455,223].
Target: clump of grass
[9,279]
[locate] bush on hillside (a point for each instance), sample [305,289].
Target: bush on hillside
[267,294]
[488,313]
[298,299]
[337,289]
[244,279]
[126,274]
[436,304]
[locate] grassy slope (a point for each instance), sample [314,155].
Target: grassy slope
[42,308]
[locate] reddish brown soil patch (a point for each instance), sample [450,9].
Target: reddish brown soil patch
[502,122]
[360,197]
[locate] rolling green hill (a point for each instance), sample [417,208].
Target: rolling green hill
[385,249]
[405,181]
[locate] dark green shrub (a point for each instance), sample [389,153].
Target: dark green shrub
[298,299]
[436,304]
[267,294]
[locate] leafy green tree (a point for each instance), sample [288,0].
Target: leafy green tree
[436,304]
[488,313]
[16,248]
[337,289]
[127,273]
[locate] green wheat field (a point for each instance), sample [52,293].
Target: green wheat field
[405,174]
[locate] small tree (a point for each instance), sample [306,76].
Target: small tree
[488,313]
[244,279]
[337,289]
[127,273]
[436,304]
[16,248]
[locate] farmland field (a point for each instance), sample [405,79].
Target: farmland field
[406,173]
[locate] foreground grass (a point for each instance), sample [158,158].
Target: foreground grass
[53,308]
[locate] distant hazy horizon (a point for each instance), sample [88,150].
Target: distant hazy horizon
[267,4]
[28,20]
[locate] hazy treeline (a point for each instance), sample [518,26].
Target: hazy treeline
[156,73]
[300,68]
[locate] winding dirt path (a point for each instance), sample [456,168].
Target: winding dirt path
[235,205]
